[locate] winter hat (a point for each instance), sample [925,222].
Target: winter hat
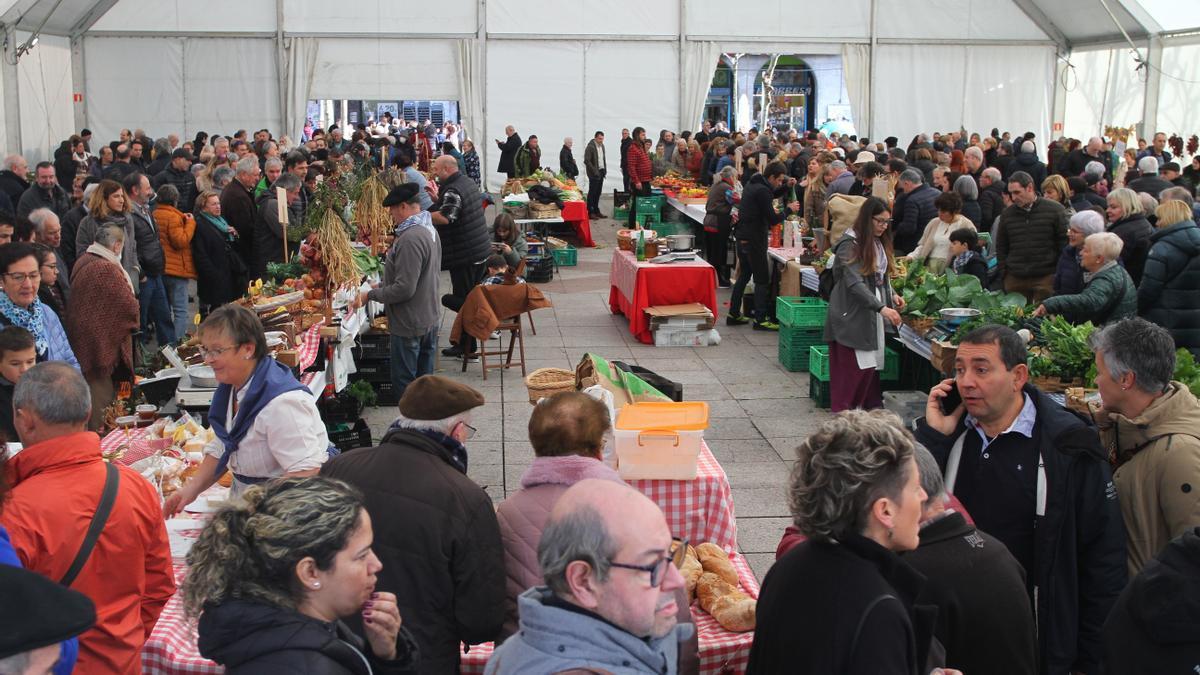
[38,612]
[432,397]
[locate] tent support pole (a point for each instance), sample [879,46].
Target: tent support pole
[870,130]
[12,92]
[1154,57]
[79,82]
[281,71]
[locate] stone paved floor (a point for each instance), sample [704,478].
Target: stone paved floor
[758,410]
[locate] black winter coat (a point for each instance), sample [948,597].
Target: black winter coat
[820,596]
[438,539]
[1152,185]
[149,246]
[183,181]
[974,213]
[70,227]
[566,163]
[37,197]
[991,203]
[216,281]
[466,240]
[1135,232]
[756,213]
[1068,277]
[977,267]
[1030,164]
[984,619]
[250,638]
[1079,545]
[1152,628]
[1171,283]
[1027,240]
[909,223]
[508,153]
[13,185]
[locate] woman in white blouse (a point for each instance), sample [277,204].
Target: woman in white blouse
[267,423]
[934,246]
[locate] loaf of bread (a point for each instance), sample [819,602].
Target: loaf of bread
[732,608]
[691,571]
[714,559]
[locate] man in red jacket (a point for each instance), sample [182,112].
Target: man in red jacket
[640,172]
[58,481]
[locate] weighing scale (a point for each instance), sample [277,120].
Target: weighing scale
[188,396]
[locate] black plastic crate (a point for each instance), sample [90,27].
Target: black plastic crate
[339,409]
[539,269]
[670,388]
[347,437]
[385,395]
[373,371]
[372,346]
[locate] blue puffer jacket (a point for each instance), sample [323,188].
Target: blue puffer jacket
[1068,277]
[1170,282]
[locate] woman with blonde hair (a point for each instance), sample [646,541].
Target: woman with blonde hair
[1127,220]
[695,157]
[842,601]
[1055,189]
[273,576]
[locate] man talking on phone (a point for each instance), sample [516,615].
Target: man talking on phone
[1033,475]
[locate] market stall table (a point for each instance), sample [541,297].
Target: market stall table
[692,210]
[573,213]
[634,286]
[809,278]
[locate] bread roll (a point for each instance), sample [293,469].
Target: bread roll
[691,571]
[716,560]
[732,608]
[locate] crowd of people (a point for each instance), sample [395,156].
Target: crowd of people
[1005,534]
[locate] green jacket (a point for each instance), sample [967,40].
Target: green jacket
[527,161]
[1110,296]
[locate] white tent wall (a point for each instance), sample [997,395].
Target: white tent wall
[934,20]
[790,20]
[44,83]
[1103,90]
[189,16]
[374,16]
[169,85]
[382,68]
[1178,102]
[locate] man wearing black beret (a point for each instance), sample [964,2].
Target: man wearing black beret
[409,292]
[36,615]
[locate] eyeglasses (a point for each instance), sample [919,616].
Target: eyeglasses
[22,277]
[658,569]
[470,430]
[881,221]
[208,354]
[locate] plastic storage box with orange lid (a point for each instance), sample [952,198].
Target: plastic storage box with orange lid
[660,441]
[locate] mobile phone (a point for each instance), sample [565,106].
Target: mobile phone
[951,401]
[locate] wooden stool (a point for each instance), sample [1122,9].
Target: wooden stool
[516,338]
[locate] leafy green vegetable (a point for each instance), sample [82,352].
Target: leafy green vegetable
[278,272]
[1187,370]
[367,263]
[362,391]
[1065,350]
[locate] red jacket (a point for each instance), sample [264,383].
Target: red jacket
[640,168]
[56,487]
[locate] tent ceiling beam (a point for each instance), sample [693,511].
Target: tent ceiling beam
[1139,14]
[89,19]
[1039,18]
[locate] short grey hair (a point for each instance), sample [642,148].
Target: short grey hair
[1087,222]
[55,392]
[836,165]
[727,172]
[973,151]
[1148,165]
[966,188]
[1149,203]
[1029,147]
[1128,200]
[246,165]
[930,474]
[221,176]
[1177,193]
[442,426]
[1094,168]
[39,218]
[273,163]
[993,174]
[578,535]
[912,176]
[1132,346]
[1106,244]
[168,195]
[12,161]
[107,235]
[287,181]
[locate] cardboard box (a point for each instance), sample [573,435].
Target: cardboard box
[288,357]
[690,316]
[789,280]
[942,356]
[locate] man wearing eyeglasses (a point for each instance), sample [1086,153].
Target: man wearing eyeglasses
[1029,236]
[611,572]
[435,529]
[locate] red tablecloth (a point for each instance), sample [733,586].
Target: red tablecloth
[576,214]
[636,286]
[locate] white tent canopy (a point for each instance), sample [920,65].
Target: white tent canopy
[567,69]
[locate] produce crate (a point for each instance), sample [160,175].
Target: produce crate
[566,257]
[340,408]
[347,437]
[818,391]
[797,311]
[373,345]
[818,364]
[373,371]
[621,200]
[649,205]
[646,220]
[794,344]
[620,213]
[385,394]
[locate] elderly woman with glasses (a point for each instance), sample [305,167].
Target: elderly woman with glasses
[104,318]
[861,304]
[20,306]
[266,422]
[1068,277]
[843,601]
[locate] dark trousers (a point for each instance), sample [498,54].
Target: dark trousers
[752,260]
[849,386]
[156,308]
[463,278]
[595,187]
[625,178]
[634,193]
[716,251]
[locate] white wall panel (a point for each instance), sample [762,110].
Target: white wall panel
[385,68]
[792,20]
[620,93]
[1105,91]
[917,88]
[189,16]
[134,82]
[954,20]
[1178,108]
[44,83]
[537,87]
[382,16]
[218,103]
[1010,88]
[555,17]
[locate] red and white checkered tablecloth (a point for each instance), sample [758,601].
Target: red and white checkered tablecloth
[171,648]
[721,652]
[697,510]
[310,343]
[138,446]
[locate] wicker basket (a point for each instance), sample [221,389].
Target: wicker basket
[625,239]
[920,325]
[1077,400]
[548,381]
[1056,385]
[543,211]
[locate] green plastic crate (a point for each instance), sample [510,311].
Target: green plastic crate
[801,336]
[818,364]
[651,205]
[818,391]
[565,257]
[795,361]
[620,214]
[802,312]
[891,366]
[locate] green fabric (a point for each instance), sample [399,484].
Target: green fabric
[522,162]
[1097,296]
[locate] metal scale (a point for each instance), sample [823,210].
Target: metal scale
[188,394]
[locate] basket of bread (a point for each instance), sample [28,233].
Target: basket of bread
[712,580]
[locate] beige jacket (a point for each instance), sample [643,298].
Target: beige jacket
[1157,455]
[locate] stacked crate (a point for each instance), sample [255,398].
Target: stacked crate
[801,326]
[818,374]
[372,358]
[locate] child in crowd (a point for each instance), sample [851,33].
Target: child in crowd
[964,254]
[498,272]
[508,241]
[18,354]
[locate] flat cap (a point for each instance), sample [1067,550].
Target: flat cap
[406,192]
[432,397]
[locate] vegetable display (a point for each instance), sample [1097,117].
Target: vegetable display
[374,223]
[1187,371]
[1063,351]
[926,294]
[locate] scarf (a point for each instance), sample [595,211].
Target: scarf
[1088,276]
[218,222]
[29,318]
[269,380]
[422,218]
[960,260]
[457,451]
[113,258]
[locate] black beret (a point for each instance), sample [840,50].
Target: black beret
[37,612]
[180,153]
[406,192]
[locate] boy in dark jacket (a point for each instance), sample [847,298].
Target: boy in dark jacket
[18,353]
[964,255]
